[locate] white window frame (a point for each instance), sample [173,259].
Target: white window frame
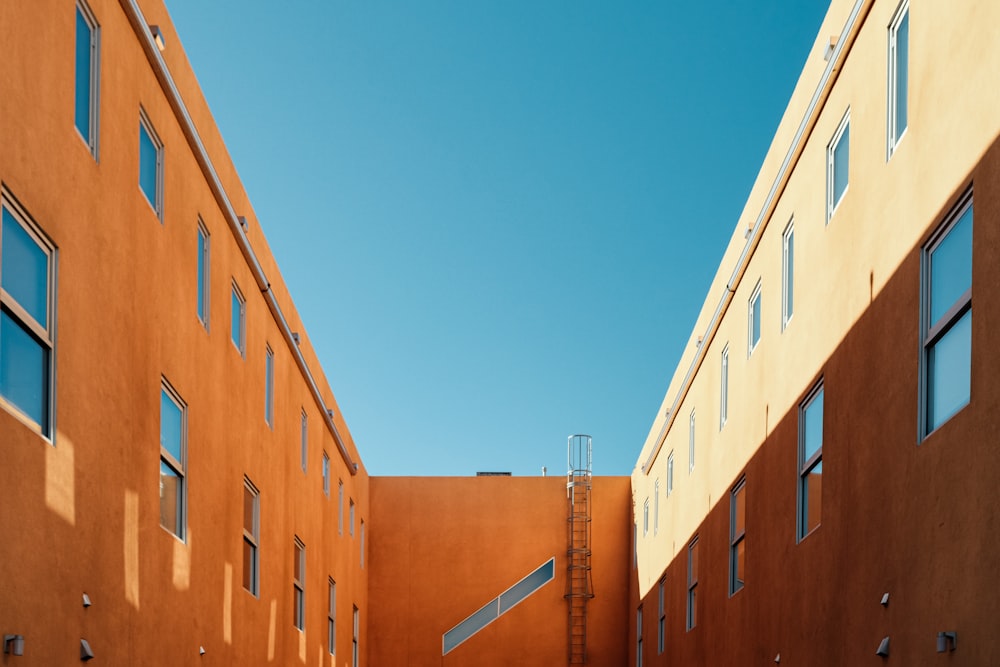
[299,585]
[45,334]
[724,388]
[240,345]
[691,441]
[893,133]
[326,474]
[645,517]
[787,274]
[179,466]
[832,201]
[692,584]
[252,537]
[93,101]
[670,473]
[146,125]
[753,316]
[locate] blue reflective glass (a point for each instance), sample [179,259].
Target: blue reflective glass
[147,165]
[171,499]
[949,365]
[269,387]
[841,156]
[24,269]
[755,325]
[470,626]
[201,275]
[24,371]
[902,71]
[84,40]
[812,427]
[236,323]
[171,426]
[951,267]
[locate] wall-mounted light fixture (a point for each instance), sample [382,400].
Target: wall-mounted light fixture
[947,641]
[157,34]
[885,600]
[243,223]
[13,644]
[86,601]
[830,47]
[883,648]
[296,338]
[201,650]
[85,652]
[777,658]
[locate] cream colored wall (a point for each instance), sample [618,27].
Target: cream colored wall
[839,267]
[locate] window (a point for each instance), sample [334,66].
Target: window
[331,618]
[645,517]
[691,442]
[298,585]
[340,507]
[724,389]
[670,473]
[27,318]
[661,626]
[351,524]
[203,291]
[238,321]
[692,600]
[269,387]
[326,474]
[251,537]
[810,461]
[947,318]
[737,535]
[87,68]
[354,641]
[304,451]
[753,320]
[899,54]
[638,637]
[362,544]
[656,506]
[173,457]
[151,165]
[787,274]
[837,159]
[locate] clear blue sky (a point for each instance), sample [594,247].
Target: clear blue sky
[498,220]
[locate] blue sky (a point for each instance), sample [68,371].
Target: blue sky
[498,220]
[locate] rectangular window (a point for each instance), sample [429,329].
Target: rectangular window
[331,618]
[27,318]
[753,320]
[354,641]
[173,458]
[810,461]
[661,626]
[251,537]
[638,637]
[899,54]
[298,584]
[724,389]
[238,320]
[340,507]
[269,387]
[787,274]
[737,535]
[86,80]
[946,312]
[150,165]
[645,517]
[350,526]
[203,268]
[326,474]
[304,450]
[670,473]
[837,161]
[691,451]
[362,544]
[656,507]
[692,597]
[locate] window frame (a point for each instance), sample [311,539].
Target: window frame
[146,125]
[787,274]
[179,467]
[298,585]
[656,506]
[83,11]
[638,636]
[692,424]
[326,474]
[807,465]
[204,273]
[893,134]
[724,388]
[361,528]
[304,447]
[737,536]
[661,624]
[670,473]
[832,201]
[350,511]
[932,333]
[754,320]
[340,507]
[237,299]
[269,386]
[645,517]
[692,584]
[42,334]
[251,538]
[357,636]
[331,617]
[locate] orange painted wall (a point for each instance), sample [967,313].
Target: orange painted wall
[444,547]
[81,513]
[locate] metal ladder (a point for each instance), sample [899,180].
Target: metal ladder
[579,584]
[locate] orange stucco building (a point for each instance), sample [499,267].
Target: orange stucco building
[178,485]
